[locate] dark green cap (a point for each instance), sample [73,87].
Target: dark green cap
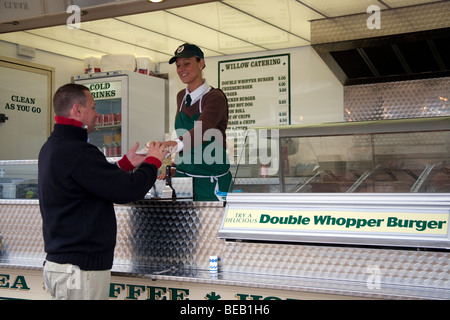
[187,50]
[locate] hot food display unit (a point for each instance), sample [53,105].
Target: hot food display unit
[339,210]
[360,183]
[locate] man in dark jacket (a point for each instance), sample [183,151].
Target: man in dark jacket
[77,191]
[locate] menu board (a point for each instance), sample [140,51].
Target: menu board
[258,92]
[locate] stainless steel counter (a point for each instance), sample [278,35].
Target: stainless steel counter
[172,240]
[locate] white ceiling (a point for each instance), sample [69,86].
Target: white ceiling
[219,28]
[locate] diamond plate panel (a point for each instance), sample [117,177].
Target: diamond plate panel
[397,100]
[393,21]
[21,234]
[157,237]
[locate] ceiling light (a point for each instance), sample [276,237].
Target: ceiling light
[155,1]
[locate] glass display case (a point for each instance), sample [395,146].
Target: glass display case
[378,183]
[18,179]
[392,156]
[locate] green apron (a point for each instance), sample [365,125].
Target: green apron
[207,178]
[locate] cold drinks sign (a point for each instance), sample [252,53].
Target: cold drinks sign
[105,90]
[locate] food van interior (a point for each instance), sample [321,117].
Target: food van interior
[175,238]
[172,240]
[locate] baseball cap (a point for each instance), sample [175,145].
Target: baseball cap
[187,50]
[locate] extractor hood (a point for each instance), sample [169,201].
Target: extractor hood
[411,43]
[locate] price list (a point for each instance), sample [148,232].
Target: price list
[258,91]
[283,100]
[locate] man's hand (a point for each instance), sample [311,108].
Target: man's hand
[135,159]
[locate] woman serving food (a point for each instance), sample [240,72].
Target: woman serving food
[200,124]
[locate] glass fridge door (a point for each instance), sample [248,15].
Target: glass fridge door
[108,130]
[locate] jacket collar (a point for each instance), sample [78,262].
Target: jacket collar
[68,121]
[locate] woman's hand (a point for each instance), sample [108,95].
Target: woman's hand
[171,145]
[162,176]
[157,150]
